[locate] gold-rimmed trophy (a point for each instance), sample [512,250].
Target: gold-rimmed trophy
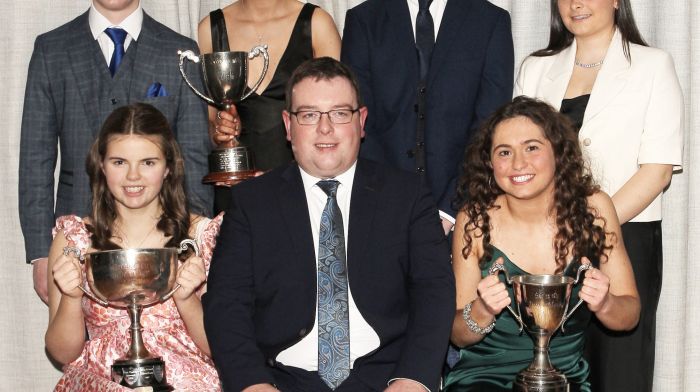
[542,303]
[134,279]
[226,80]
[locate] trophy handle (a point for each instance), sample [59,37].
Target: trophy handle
[581,268]
[188,54]
[494,270]
[182,248]
[78,255]
[256,51]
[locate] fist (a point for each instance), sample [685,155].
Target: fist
[68,276]
[190,277]
[595,290]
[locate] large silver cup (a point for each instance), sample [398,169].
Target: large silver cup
[134,279]
[226,79]
[542,303]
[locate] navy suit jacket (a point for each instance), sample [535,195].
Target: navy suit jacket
[261,291]
[69,94]
[471,74]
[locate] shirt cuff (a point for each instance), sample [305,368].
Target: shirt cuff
[402,378]
[39,259]
[448,218]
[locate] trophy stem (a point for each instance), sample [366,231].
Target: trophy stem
[138,349]
[540,362]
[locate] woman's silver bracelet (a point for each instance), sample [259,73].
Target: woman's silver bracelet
[472,325]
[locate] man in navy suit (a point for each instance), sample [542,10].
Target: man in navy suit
[267,292]
[425,103]
[74,82]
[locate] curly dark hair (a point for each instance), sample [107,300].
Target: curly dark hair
[143,120]
[577,234]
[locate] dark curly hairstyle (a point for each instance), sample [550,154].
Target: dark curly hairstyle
[143,120]
[577,234]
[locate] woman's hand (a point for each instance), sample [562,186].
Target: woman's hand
[190,277]
[227,125]
[493,293]
[596,288]
[68,276]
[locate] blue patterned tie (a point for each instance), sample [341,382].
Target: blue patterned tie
[118,36]
[333,319]
[425,36]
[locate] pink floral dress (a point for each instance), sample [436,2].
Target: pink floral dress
[164,332]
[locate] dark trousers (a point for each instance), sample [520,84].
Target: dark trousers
[624,361]
[292,379]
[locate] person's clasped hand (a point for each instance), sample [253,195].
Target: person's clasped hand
[226,126]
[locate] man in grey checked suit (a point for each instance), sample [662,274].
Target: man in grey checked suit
[70,91]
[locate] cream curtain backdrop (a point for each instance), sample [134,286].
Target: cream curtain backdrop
[668,24]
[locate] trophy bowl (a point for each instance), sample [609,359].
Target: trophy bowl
[134,279]
[542,303]
[225,77]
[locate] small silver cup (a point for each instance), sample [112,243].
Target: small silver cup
[134,279]
[226,77]
[542,303]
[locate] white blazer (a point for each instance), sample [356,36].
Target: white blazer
[634,115]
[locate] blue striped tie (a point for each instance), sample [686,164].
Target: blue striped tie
[118,36]
[333,318]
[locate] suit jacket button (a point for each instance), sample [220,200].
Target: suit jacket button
[420,170]
[586,142]
[114,101]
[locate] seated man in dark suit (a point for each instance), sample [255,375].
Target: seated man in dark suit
[287,307]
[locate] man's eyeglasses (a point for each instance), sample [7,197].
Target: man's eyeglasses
[336,116]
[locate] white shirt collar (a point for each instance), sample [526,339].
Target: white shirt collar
[345,178]
[132,23]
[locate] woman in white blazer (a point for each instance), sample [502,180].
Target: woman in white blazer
[626,100]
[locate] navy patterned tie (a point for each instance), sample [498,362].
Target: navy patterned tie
[333,318]
[425,36]
[118,36]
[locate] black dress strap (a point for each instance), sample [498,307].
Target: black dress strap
[219,35]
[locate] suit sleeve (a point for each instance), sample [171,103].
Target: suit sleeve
[37,158]
[191,128]
[355,53]
[229,306]
[431,294]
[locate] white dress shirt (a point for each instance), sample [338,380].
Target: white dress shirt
[98,23]
[363,339]
[437,8]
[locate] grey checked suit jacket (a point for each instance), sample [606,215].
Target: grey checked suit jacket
[70,92]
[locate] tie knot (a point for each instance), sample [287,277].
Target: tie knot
[423,5]
[329,186]
[117,35]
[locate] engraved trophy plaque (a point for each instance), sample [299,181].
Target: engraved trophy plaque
[542,303]
[226,80]
[134,279]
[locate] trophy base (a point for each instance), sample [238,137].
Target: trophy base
[229,178]
[546,381]
[149,372]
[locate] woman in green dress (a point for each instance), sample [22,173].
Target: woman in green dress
[527,201]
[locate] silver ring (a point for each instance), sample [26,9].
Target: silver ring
[218,115]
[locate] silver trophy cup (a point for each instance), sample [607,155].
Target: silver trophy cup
[226,80]
[134,279]
[542,303]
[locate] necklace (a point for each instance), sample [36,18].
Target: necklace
[125,241]
[589,65]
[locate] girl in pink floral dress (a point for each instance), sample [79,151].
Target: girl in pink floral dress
[137,175]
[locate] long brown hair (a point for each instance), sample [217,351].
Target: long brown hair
[560,38]
[577,234]
[143,120]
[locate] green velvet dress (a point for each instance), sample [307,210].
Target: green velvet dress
[492,364]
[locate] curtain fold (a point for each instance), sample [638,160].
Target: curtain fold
[669,24]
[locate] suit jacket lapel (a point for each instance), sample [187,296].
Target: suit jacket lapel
[363,203]
[611,79]
[88,66]
[455,17]
[146,57]
[294,209]
[402,40]
[557,78]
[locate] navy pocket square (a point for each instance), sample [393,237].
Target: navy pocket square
[156,90]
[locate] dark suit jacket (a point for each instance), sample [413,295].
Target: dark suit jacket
[70,92]
[261,296]
[471,74]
